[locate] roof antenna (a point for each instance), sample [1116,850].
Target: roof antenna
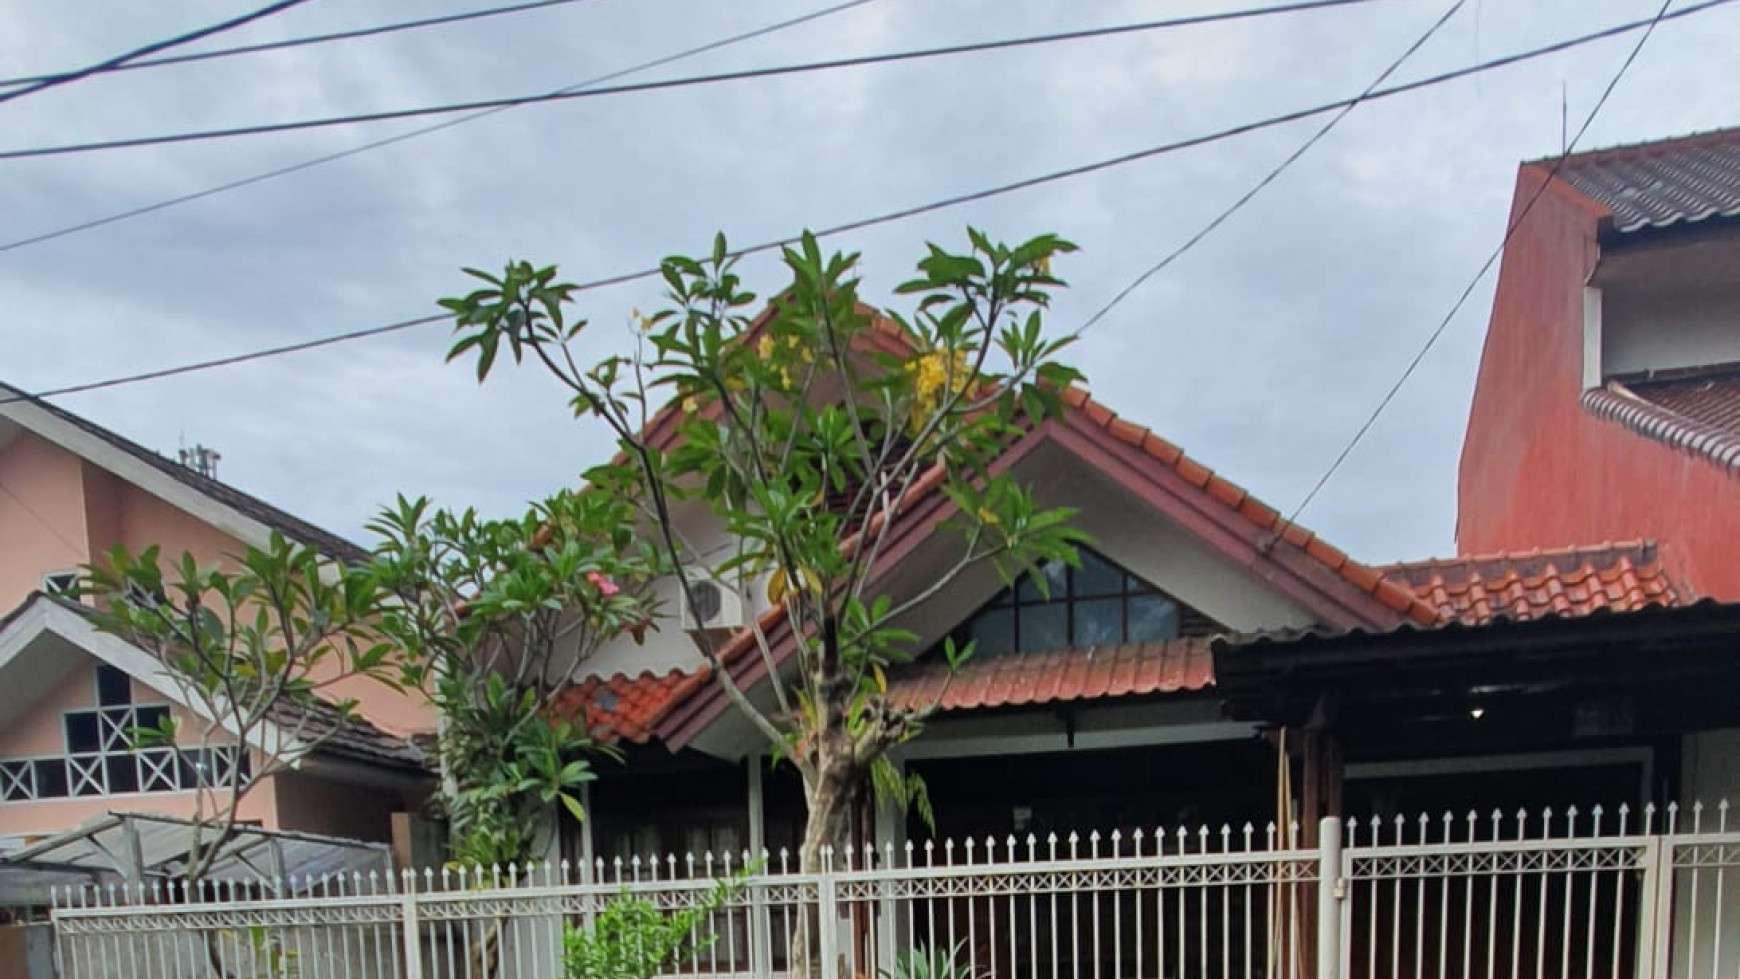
[200,459]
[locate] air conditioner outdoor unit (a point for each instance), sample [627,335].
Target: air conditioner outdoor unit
[708,605]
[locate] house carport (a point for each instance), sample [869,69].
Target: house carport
[1607,708]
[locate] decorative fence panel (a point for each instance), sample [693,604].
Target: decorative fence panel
[1571,896]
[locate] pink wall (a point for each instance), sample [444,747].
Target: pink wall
[1539,471]
[144,519]
[42,521]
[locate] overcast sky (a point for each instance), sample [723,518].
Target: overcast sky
[1260,352]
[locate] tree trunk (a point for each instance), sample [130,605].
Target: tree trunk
[828,795]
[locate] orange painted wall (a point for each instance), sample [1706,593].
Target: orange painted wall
[42,520]
[1539,471]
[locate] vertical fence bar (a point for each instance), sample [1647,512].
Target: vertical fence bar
[1329,893]
[413,938]
[827,918]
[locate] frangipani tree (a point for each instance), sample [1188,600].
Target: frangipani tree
[807,427]
[495,616]
[263,651]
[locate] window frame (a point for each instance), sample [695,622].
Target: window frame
[1010,601]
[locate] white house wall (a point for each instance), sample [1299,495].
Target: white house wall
[1663,332]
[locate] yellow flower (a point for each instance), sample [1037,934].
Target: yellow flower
[691,405]
[1043,266]
[988,517]
[765,346]
[641,323]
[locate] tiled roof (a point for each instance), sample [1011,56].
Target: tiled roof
[1663,183]
[644,704]
[1698,412]
[1132,669]
[624,708]
[1396,597]
[354,738]
[288,524]
[1526,585]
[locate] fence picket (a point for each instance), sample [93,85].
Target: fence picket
[1375,899]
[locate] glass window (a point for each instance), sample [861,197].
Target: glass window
[1043,627]
[1096,604]
[1097,576]
[50,778]
[1152,617]
[993,630]
[123,773]
[1099,622]
[114,688]
[81,731]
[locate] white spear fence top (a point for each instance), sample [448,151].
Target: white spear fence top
[1036,849]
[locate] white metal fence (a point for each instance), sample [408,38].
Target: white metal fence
[1596,895]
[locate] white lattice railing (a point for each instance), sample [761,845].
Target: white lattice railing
[1571,896]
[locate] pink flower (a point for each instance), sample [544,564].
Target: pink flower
[602,582]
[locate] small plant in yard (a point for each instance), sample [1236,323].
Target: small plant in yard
[632,939]
[932,962]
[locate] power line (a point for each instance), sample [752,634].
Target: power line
[149,49]
[938,205]
[1485,267]
[326,158]
[296,42]
[387,115]
[1269,177]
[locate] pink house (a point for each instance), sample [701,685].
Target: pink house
[70,491]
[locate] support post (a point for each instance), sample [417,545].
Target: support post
[1655,917]
[828,918]
[1330,889]
[411,932]
[760,916]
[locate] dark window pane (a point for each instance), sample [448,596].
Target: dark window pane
[1097,576]
[994,630]
[1152,617]
[1054,573]
[194,769]
[1044,628]
[51,778]
[123,773]
[81,731]
[1099,622]
[149,717]
[114,688]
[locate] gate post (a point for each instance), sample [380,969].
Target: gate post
[827,918]
[1329,894]
[413,939]
[1655,914]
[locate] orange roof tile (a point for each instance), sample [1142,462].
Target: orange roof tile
[652,699]
[1526,585]
[620,707]
[1131,669]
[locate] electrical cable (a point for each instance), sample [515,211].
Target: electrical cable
[1456,307]
[344,154]
[149,49]
[747,74]
[296,42]
[892,216]
[1269,177]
